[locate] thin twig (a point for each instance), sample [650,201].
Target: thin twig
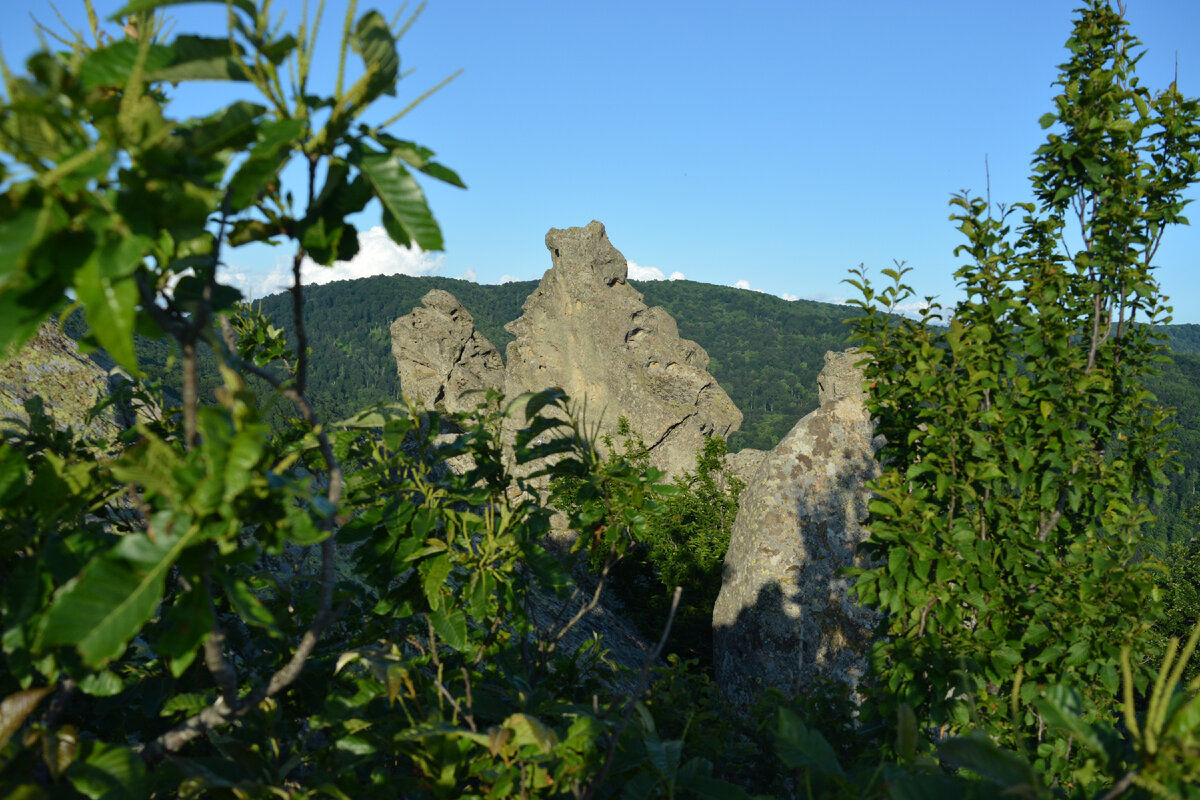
[1120,787]
[585,609]
[633,698]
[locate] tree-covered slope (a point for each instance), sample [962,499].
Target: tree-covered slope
[766,352]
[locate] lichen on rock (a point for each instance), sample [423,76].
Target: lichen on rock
[784,617]
[586,330]
[442,360]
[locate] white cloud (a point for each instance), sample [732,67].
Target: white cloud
[639,273]
[787,296]
[509,279]
[377,255]
[742,285]
[822,297]
[469,275]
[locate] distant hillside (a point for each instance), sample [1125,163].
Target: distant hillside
[1183,338]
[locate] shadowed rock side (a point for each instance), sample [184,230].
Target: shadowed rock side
[442,360]
[586,330]
[51,366]
[783,616]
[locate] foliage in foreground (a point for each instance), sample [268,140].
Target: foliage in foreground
[224,608]
[1022,447]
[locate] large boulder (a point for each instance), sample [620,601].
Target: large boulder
[586,330]
[783,617]
[443,362]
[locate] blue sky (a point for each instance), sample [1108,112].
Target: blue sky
[778,144]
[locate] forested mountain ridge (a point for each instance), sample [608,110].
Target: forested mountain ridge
[766,353]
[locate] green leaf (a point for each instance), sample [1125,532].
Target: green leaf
[186,625]
[200,58]
[529,730]
[1062,708]
[108,771]
[99,611]
[134,6]
[799,747]
[436,570]
[420,158]
[101,684]
[113,65]
[451,626]
[233,127]
[406,217]
[247,605]
[272,151]
[1047,119]
[111,307]
[373,41]
[987,759]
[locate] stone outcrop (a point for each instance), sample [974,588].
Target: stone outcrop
[745,463]
[586,330]
[783,616]
[69,383]
[442,360]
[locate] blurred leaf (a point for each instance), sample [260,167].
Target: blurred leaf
[99,611]
[108,771]
[987,759]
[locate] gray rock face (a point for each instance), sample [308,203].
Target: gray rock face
[442,360]
[51,366]
[586,330]
[745,463]
[783,616]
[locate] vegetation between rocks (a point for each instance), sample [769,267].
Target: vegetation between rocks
[231,608]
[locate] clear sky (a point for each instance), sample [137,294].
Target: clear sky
[767,144]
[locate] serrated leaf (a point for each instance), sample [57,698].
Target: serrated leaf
[247,605]
[111,308]
[529,730]
[99,611]
[406,217]
[373,41]
[1061,707]
[270,153]
[799,747]
[101,684]
[230,128]
[451,626]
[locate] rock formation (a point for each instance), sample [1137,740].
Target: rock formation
[442,360]
[585,329]
[783,616]
[69,383]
